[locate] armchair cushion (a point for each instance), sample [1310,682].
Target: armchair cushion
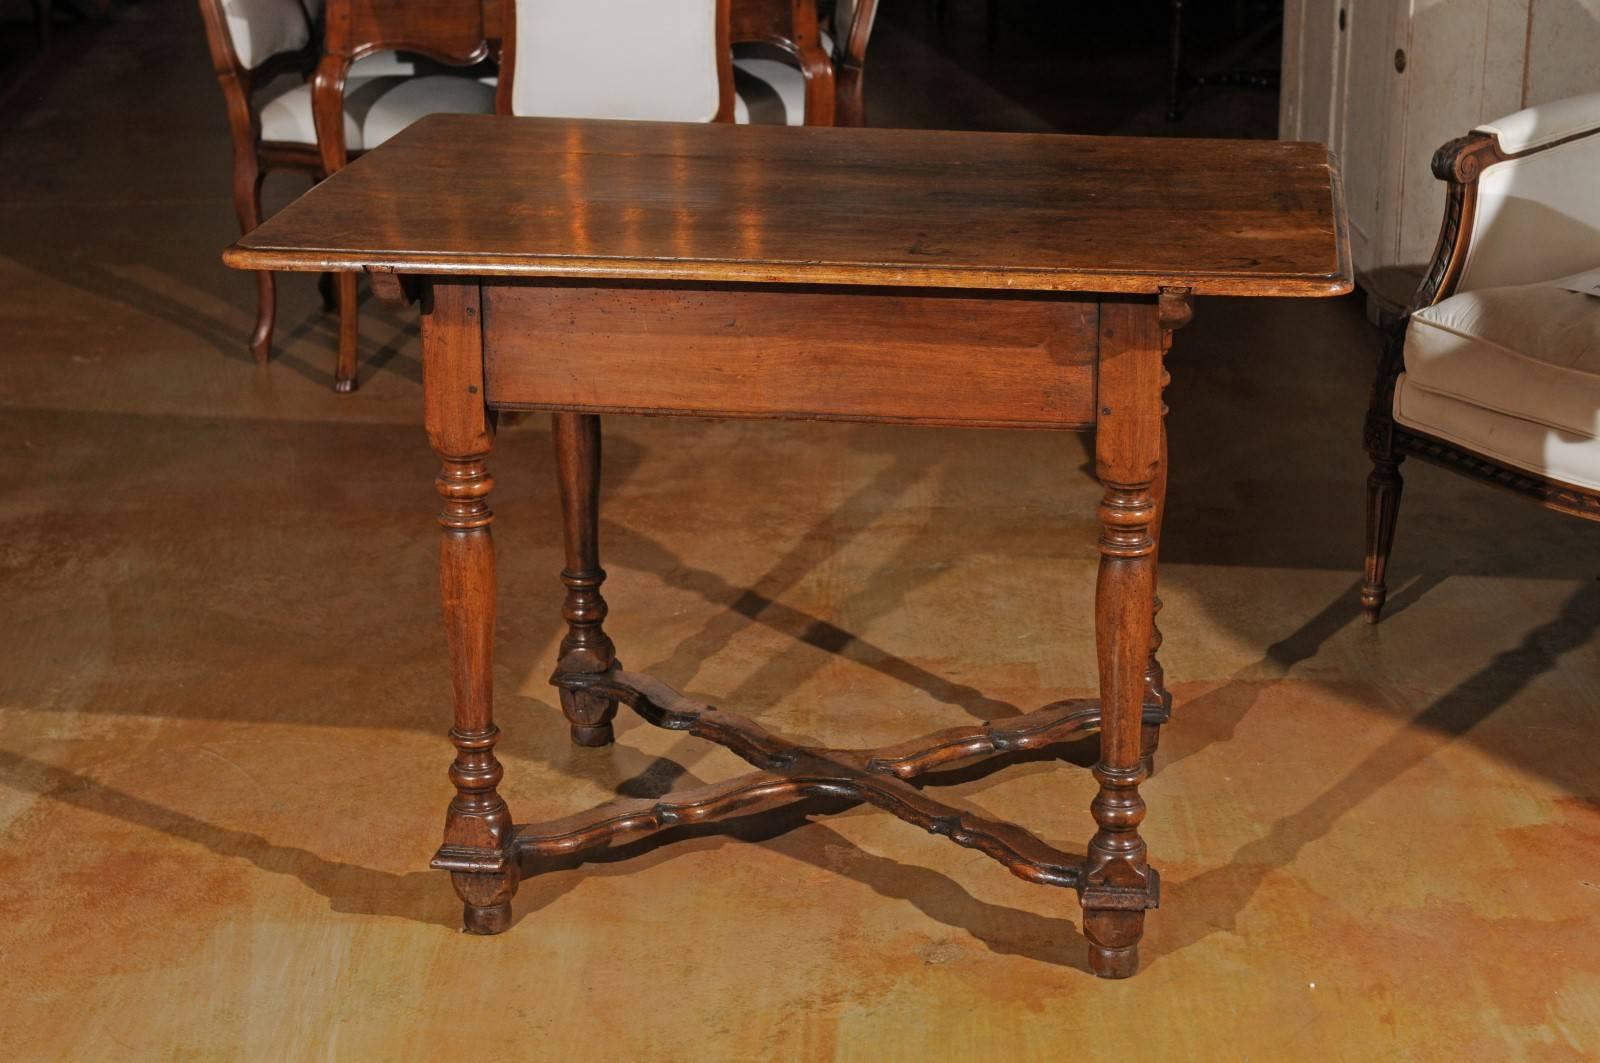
[1510,372]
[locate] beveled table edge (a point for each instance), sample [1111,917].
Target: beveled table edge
[313,260]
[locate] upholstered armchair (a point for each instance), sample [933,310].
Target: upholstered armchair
[1494,371]
[253,43]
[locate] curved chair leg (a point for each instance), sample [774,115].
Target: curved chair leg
[247,177]
[344,370]
[266,310]
[1383,510]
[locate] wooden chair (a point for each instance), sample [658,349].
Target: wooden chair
[824,83]
[1494,371]
[657,61]
[252,43]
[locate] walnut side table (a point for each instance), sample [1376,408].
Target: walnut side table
[966,279]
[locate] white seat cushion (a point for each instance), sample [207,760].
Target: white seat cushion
[1513,373]
[770,91]
[375,108]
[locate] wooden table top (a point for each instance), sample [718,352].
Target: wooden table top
[495,196]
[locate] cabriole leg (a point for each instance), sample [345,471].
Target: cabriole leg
[347,288]
[586,648]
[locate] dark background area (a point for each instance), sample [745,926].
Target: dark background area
[1062,65]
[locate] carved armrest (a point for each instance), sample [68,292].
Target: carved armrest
[1522,203]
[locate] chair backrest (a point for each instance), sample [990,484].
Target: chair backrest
[1538,211]
[650,60]
[1538,219]
[243,34]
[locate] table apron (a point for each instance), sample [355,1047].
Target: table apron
[831,353]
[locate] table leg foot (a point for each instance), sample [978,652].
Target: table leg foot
[1113,942]
[593,737]
[486,901]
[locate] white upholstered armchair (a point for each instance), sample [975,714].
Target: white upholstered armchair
[1495,369]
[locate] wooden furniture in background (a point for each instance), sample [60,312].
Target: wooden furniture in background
[980,280]
[460,33]
[263,52]
[239,75]
[1503,398]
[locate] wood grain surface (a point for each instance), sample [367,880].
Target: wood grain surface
[488,196]
[858,354]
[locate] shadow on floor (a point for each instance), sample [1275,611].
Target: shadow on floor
[1202,905]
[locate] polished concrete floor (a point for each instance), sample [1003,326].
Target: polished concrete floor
[223,690]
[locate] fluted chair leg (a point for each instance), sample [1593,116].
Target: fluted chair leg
[1383,510]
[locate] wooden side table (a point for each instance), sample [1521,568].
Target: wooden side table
[978,280]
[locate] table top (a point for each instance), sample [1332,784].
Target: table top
[481,195]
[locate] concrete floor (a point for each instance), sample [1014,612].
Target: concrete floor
[223,689]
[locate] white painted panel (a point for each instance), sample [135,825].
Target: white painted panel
[1374,116]
[1444,73]
[1563,50]
[1505,56]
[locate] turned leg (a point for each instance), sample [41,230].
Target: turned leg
[344,370]
[478,827]
[1384,484]
[1174,309]
[1118,883]
[1155,677]
[1383,510]
[586,648]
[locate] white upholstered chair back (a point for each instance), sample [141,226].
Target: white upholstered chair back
[260,29]
[1538,218]
[649,60]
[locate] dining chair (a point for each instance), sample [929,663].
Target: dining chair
[263,52]
[1494,371]
[665,60]
[820,81]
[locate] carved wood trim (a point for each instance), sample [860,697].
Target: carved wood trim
[1460,163]
[1552,494]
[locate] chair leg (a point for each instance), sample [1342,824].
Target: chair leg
[344,370]
[247,177]
[1383,510]
[266,311]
